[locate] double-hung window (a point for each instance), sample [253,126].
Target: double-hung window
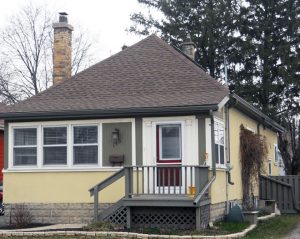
[55,145]
[25,147]
[85,145]
[219,143]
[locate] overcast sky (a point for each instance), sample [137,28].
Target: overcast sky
[105,20]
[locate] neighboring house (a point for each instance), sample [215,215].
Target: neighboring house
[2,109]
[148,119]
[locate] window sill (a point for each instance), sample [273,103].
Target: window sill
[56,169]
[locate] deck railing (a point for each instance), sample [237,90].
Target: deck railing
[165,180]
[160,180]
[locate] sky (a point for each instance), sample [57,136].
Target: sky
[104,20]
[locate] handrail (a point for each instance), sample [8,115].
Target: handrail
[94,190]
[108,181]
[203,191]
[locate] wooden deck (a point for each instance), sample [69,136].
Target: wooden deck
[163,201]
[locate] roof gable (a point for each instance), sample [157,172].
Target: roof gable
[148,74]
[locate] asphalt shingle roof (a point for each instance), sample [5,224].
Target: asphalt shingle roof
[150,73]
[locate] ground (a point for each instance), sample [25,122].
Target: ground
[280,227]
[277,228]
[294,234]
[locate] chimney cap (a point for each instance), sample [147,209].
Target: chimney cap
[63,22]
[63,17]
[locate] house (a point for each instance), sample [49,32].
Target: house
[143,138]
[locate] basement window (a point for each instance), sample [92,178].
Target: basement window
[55,145]
[85,145]
[25,147]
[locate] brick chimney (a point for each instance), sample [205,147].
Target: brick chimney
[189,47]
[62,49]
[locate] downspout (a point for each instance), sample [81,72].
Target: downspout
[228,168]
[212,133]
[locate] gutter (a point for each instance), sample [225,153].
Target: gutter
[255,113]
[109,113]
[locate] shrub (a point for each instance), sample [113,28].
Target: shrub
[21,216]
[253,148]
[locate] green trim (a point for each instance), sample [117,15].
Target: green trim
[201,140]
[139,140]
[124,147]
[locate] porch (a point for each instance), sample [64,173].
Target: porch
[157,193]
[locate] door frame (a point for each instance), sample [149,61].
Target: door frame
[154,153]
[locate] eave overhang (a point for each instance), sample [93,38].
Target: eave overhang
[254,113]
[109,113]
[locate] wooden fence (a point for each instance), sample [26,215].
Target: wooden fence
[285,190]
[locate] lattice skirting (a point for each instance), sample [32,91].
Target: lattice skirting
[161,217]
[119,217]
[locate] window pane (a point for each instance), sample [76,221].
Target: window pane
[24,156]
[221,154]
[85,134]
[55,135]
[171,142]
[25,137]
[55,155]
[221,134]
[216,128]
[85,154]
[217,153]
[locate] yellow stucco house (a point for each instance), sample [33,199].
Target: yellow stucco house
[143,138]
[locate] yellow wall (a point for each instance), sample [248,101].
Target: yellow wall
[61,187]
[218,188]
[58,187]
[236,118]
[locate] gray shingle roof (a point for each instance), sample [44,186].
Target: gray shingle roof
[148,74]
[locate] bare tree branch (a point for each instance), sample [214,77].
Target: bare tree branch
[27,44]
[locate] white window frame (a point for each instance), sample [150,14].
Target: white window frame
[218,158]
[276,156]
[270,167]
[69,167]
[160,142]
[53,145]
[89,144]
[12,143]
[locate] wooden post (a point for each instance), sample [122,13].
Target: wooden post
[96,201]
[198,218]
[128,181]
[128,218]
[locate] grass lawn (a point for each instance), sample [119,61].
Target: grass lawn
[274,228]
[220,228]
